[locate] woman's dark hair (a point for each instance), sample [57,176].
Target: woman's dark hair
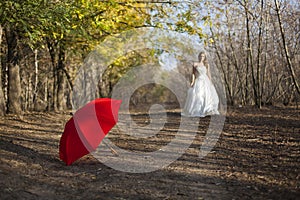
[205,62]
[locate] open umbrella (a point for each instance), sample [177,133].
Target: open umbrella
[86,129]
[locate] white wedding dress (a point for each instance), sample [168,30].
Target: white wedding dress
[202,99]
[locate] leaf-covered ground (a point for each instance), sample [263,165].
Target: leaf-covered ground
[257,156]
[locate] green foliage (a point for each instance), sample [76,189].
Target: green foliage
[123,64]
[80,22]
[72,28]
[83,24]
[93,20]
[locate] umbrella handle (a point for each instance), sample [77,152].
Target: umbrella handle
[113,151]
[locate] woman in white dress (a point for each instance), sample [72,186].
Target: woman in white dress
[202,99]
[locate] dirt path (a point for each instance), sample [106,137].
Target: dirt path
[256,157]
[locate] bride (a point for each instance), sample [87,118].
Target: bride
[202,99]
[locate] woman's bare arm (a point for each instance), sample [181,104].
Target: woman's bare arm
[193,80]
[193,75]
[208,72]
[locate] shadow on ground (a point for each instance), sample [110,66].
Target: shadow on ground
[256,157]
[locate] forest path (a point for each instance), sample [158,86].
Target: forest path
[256,157]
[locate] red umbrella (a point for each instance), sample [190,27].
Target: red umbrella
[86,129]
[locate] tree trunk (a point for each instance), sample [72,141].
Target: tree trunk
[227,84]
[259,52]
[36,80]
[51,48]
[250,52]
[48,93]
[14,81]
[264,69]
[61,102]
[236,64]
[286,51]
[2,100]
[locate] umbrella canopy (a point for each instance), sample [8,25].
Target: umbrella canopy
[86,129]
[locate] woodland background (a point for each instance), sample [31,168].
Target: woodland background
[254,44]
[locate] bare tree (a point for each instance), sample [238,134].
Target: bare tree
[2,100]
[14,82]
[286,50]
[257,41]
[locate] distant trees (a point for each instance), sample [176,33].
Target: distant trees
[289,63]
[2,100]
[39,39]
[255,44]
[256,47]
[43,43]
